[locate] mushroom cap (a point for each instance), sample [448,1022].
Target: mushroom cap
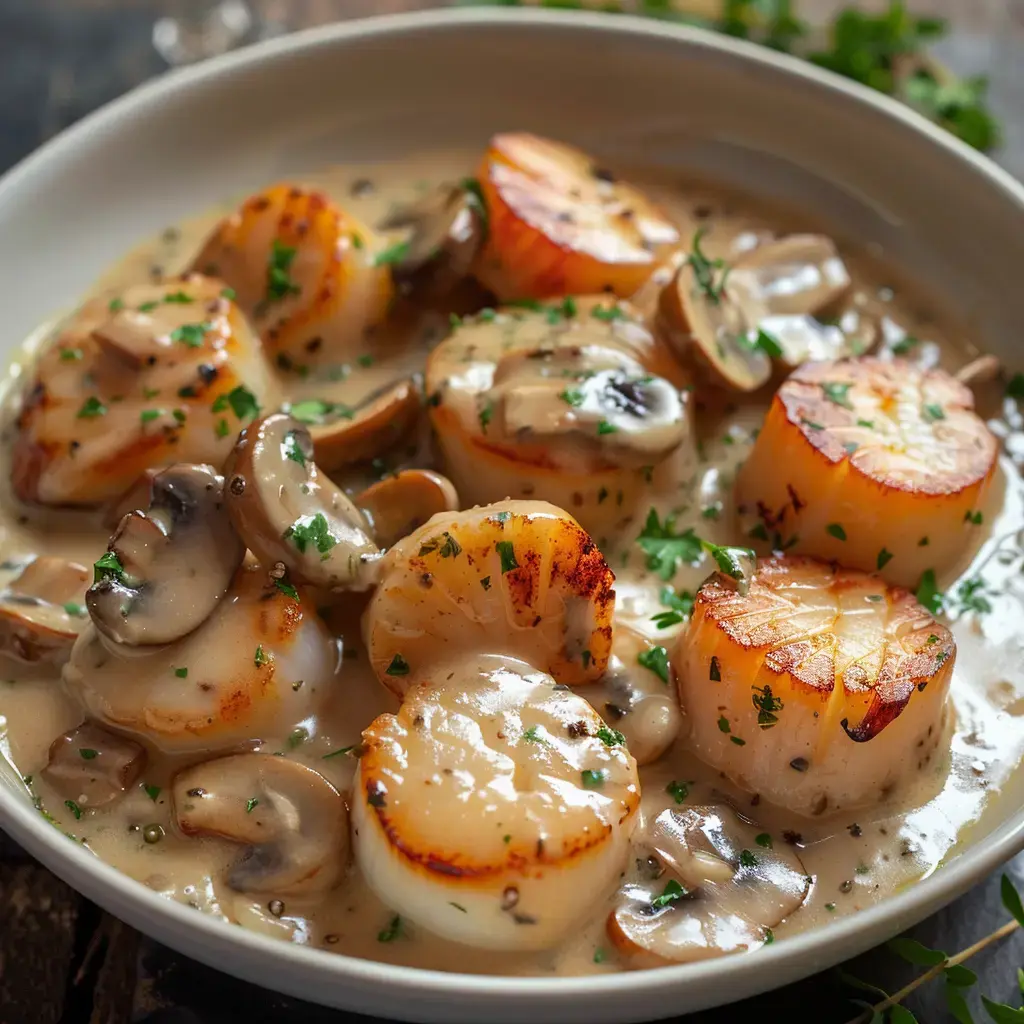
[397,505]
[566,402]
[343,436]
[706,326]
[176,561]
[731,884]
[92,766]
[161,373]
[635,700]
[42,610]
[520,578]
[258,666]
[447,230]
[794,275]
[287,511]
[292,822]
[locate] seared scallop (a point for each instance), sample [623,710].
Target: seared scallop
[575,402]
[519,578]
[559,223]
[711,884]
[820,688]
[877,465]
[160,373]
[495,810]
[260,664]
[312,278]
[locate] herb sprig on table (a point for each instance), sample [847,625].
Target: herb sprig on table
[957,979]
[886,51]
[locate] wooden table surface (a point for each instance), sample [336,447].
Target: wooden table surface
[61,957]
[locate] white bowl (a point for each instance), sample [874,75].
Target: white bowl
[631,90]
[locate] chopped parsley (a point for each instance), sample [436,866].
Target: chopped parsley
[74,609]
[593,778]
[723,724]
[680,608]
[181,673]
[250,804]
[151,791]
[572,396]
[70,355]
[286,588]
[392,931]
[312,530]
[971,597]
[838,393]
[656,659]
[317,411]
[607,314]
[928,592]
[704,271]
[767,706]
[398,667]
[610,737]
[243,403]
[604,427]
[836,530]
[975,518]
[486,582]
[673,891]
[88,754]
[279,282]
[261,657]
[533,736]
[91,408]
[507,554]
[392,254]
[666,549]
[191,335]
[884,558]
[747,859]
[764,840]
[108,567]
[933,412]
[74,809]
[715,670]
[485,416]
[291,449]
[679,791]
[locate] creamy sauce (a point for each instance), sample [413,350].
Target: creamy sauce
[854,860]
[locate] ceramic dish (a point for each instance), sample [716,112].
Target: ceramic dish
[636,92]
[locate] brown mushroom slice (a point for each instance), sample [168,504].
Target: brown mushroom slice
[798,274]
[803,339]
[92,766]
[42,610]
[728,885]
[137,497]
[446,231]
[704,324]
[400,504]
[343,436]
[635,701]
[287,511]
[292,822]
[167,568]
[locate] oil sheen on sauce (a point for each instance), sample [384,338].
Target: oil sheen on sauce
[855,860]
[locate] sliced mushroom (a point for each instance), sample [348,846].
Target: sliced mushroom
[137,497]
[287,511]
[726,886]
[167,568]
[291,820]
[42,610]
[447,231]
[400,504]
[636,701]
[92,766]
[803,339]
[795,275]
[343,436]
[706,326]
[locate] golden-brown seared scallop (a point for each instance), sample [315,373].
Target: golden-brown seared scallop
[876,465]
[160,373]
[820,688]
[494,810]
[558,223]
[520,578]
[312,278]
[260,664]
[567,402]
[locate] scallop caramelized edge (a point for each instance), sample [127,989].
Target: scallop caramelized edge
[520,578]
[820,689]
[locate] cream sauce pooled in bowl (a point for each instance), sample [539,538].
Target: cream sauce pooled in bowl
[451,745]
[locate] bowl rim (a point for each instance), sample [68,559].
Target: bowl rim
[820,946]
